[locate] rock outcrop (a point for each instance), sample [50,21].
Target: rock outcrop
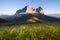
[40,10]
[30,10]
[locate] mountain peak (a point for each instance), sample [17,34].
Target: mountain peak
[40,10]
[30,10]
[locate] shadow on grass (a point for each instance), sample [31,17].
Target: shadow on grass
[17,23]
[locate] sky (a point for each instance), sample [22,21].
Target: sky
[9,7]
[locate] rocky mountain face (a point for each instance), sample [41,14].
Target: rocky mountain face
[40,10]
[30,10]
[26,14]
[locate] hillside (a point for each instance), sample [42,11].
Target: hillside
[2,20]
[37,31]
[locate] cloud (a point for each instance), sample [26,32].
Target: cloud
[7,12]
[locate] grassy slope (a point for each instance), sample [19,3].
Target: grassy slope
[38,31]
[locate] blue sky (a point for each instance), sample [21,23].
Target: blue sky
[11,6]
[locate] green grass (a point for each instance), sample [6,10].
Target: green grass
[37,31]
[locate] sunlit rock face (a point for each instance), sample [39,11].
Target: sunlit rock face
[40,10]
[30,10]
[27,9]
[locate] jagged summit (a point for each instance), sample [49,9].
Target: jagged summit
[30,10]
[40,10]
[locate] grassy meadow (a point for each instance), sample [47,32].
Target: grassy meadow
[37,31]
